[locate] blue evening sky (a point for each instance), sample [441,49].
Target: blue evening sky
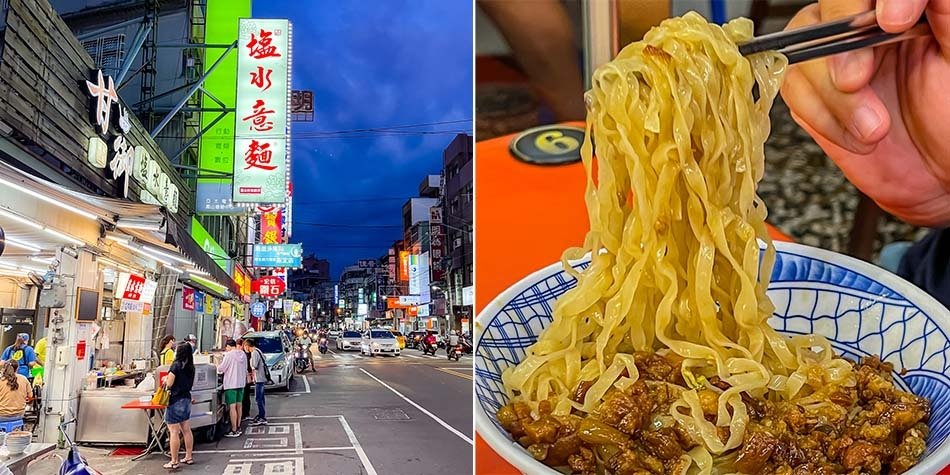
[371,64]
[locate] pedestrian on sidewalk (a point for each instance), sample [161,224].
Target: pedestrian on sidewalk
[249,387]
[180,379]
[261,375]
[234,369]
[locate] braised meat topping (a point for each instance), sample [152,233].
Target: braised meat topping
[873,428]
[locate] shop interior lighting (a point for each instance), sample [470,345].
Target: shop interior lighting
[22,244]
[143,224]
[110,263]
[64,237]
[48,199]
[20,219]
[118,238]
[208,283]
[167,255]
[5,265]
[42,260]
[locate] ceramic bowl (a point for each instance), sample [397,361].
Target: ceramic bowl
[863,309]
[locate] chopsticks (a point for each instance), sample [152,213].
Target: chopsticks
[825,39]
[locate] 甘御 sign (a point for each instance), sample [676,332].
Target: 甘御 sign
[124,159]
[261,113]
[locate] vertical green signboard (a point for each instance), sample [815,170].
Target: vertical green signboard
[217,144]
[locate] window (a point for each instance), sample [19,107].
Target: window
[106,51]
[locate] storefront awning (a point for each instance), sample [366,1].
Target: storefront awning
[145,222]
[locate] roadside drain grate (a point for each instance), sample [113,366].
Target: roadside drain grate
[390,415]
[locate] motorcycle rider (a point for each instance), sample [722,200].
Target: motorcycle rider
[305,341]
[453,342]
[430,342]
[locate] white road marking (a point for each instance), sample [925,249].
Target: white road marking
[306,384]
[356,445]
[413,356]
[424,411]
[304,416]
[272,451]
[265,443]
[298,439]
[284,466]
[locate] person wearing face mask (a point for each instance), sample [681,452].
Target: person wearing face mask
[193,341]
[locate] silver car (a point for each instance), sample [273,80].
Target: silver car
[278,354]
[379,342]
[349,340]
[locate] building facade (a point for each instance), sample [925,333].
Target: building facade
[457,217]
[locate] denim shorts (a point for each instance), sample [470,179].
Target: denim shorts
[178,412]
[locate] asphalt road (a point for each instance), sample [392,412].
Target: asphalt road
[383,415]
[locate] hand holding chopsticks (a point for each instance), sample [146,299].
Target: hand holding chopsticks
[837,36]
[882,114]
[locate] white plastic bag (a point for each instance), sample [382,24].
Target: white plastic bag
[147,384]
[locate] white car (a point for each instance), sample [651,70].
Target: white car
[333,334]
[278,354]
[379,342]
[349,340]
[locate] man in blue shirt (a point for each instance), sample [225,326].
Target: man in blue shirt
[22,353]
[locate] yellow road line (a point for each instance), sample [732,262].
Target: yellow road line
[455,373]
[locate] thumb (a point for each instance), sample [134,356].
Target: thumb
[938,15]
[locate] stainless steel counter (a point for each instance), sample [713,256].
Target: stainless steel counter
[102,420]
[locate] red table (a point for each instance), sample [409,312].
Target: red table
[527,215]
[157,431]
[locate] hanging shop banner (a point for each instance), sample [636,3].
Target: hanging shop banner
[216,145]
[148,291]
[288,306]
[215,198]
[188,298]
[362,309]
[226,309]
[261,165]
[133,306]
[130,286]
[423,278]
[468,295]
[403,266]
[407,300]
[211,304]
[436,243]
[199,301]
[278,255]
[269,286]
[258,309]
[415,280]
[423,310]
[336,294]
[392,265]
[272,225]
[243,281]
[210,246]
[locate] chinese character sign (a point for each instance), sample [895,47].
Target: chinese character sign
[272,222]
[436,243]
[277,255]
[261,163]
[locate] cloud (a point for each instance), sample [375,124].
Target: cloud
[371,63]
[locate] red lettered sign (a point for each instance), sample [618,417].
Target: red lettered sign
[270,286]
[133,289]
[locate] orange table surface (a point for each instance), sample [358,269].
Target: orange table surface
[526,216]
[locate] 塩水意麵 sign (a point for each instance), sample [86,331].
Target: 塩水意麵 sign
[127,160]
[278,255]
[261,165]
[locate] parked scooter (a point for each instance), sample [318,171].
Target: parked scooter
[74,463]
[323,346]
[301,359]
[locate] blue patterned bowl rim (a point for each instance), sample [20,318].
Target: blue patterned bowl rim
[884,282]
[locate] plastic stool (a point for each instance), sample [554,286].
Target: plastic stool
[11,426]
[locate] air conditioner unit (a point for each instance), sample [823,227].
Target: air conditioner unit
[457,243]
